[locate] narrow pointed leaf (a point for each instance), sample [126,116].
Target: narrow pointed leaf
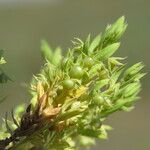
[57,56]
[95,43]
[47,52]
[107,52]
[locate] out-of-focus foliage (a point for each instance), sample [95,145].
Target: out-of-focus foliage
[74,94]
[3,77]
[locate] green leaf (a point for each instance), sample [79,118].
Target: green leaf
[107,52]
[100,84]
[114,32]
[90,132]
[131,89]
[120,103]
[104,129]
[47,52]
[113,63]
[95,43]
[94,70]
[86,44]
[116,74]
[138,76]
[133,70]
[57,56]
[70,114]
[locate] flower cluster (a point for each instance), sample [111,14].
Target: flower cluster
[73,94]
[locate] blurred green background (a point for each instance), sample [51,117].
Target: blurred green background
[23,23]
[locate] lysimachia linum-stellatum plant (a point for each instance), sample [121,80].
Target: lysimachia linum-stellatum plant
[73,95]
